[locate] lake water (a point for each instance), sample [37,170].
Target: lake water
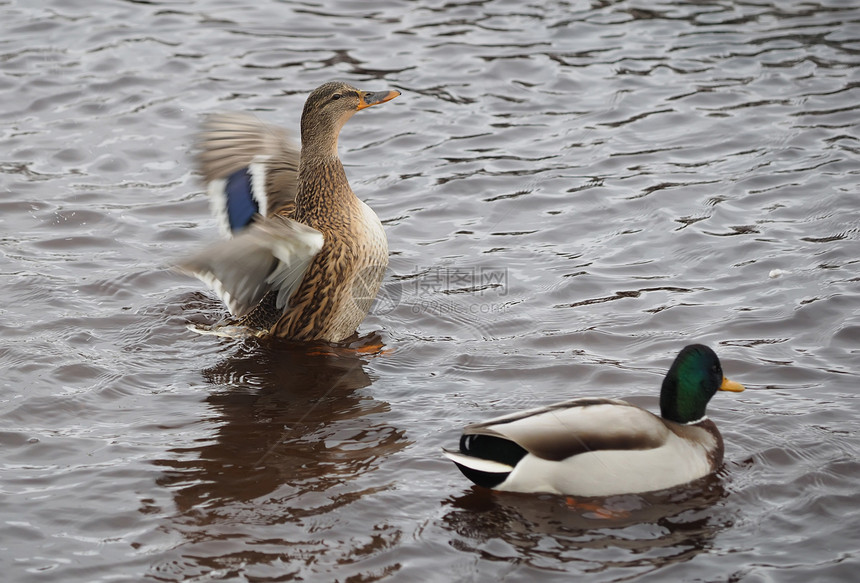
[572,191]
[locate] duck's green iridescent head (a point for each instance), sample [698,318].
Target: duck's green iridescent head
[694,377]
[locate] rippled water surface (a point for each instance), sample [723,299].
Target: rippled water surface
[572,191]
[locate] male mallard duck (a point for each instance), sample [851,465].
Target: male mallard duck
[306,256]
[602,447]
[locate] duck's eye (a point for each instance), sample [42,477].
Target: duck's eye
[336,96]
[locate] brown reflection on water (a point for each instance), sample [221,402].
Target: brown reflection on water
[292,423]
[646,531]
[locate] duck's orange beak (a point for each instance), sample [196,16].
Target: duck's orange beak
[366,99]
[731,386]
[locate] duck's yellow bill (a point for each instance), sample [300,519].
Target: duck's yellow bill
[731,386]
[367,99]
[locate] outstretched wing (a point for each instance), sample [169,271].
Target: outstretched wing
[270,255]
[249,167]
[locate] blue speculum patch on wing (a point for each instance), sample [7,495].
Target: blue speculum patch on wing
[241,204]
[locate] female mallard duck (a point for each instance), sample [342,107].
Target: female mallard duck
[602,447]
[306,256]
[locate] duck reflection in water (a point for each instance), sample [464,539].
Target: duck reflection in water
[292,420]
[654,529]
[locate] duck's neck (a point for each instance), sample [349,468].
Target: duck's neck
[323,190]
[682,403]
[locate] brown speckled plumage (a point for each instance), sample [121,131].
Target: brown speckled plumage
[338,286]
